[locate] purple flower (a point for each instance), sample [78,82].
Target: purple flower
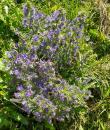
[78,36]
[24,56]
[60,119]
[33,57]
[17,95]
[17,61]
[49,19]
[38,15]
[81,27]
[41,15]
[57,31]
[62,97]
[9,54]
[63,18]
[24,102]
[53,49]
[23,42]
[43,43]
[31,21]
[28,93]
[40,84]
[75,50]
[55,14]
[61,25]
[35,38]
[46,110]
[25,10]
[16,72]
[49,37]
[25,22]
[20,88]
[37,114]
[77,19]
[50,34]
[28,62]
[49,120]
[34,48]
[74,28]
[27,109]
[69,33]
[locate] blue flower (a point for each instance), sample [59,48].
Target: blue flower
[61,25]
[24,56]
[53,49]
[35,38]
[69,33]
[40,84]
[57,31]
[16,72]
[46,110]
[17,60]
[28,62]
[38,115]
[49,120]
[55,14]
[25,10]
[50,34]
[27,109]
[38,16]
[25,22]
[43,43]
[24,102]
[34,48]
[81,26]
[20,88]
[62,97]
[9,54]
[49,19]
[17,95]
[75,50]
[33,57]
[31,21]
[28,93]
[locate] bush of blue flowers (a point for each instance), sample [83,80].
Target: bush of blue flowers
[48,43]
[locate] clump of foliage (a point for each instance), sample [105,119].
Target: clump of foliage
[50,43]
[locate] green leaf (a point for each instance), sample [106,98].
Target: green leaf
[49,126]
[2,67]
[81,128]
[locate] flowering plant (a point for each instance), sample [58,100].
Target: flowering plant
[53,35]
[52,42]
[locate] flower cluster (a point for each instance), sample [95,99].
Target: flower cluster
[56,37]
[32,64]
